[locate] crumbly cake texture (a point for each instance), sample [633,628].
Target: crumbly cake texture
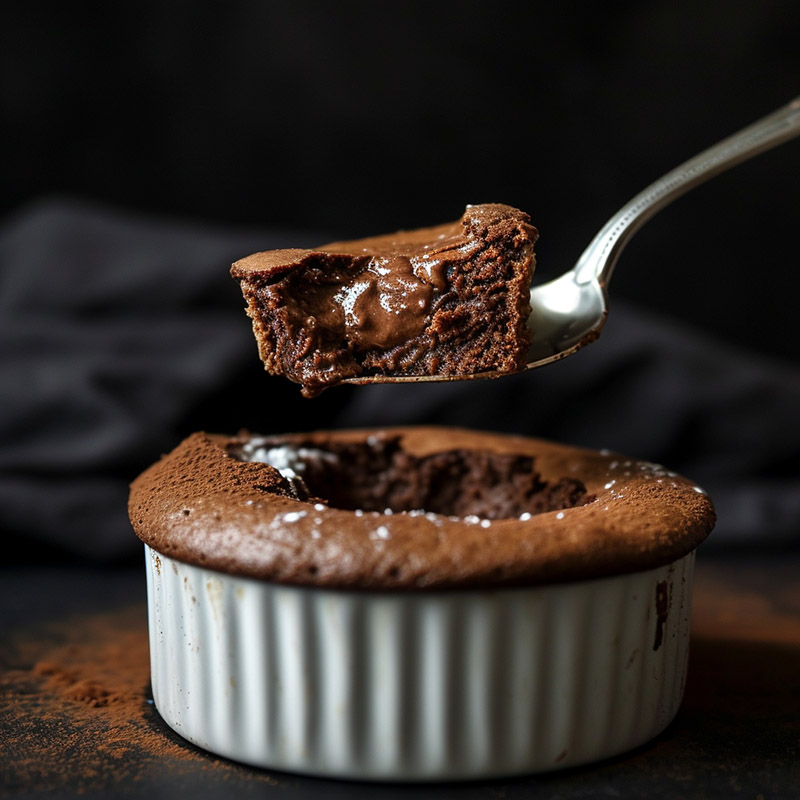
[414,509]
[447,300]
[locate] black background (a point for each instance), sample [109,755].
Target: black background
[351,118]
[146,146]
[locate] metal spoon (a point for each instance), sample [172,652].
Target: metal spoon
[569,312]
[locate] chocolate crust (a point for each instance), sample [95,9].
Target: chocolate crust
[448,300]
[202,505]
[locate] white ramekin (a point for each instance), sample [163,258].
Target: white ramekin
[417,685]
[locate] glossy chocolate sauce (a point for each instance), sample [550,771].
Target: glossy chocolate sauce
[446,300]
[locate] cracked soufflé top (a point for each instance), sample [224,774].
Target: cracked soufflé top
[413,508]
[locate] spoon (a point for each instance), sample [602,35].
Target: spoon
[569,312]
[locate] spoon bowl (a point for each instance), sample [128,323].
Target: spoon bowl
[569,312]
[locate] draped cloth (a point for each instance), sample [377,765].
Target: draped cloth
[119,335]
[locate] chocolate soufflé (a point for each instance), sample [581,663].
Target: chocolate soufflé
[449,300]
[413,508]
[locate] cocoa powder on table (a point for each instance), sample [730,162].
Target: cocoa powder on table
[76,713]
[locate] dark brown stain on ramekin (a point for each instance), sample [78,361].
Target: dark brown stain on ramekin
[662,609]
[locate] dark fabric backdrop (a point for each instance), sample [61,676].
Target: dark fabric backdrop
[119,336]
[145,147]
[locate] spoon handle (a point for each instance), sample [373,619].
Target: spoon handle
[598,260]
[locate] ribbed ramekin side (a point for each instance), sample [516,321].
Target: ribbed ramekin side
[414,686]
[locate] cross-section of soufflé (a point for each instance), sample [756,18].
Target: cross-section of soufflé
[451,300]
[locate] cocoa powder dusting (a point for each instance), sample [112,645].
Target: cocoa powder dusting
[76,711]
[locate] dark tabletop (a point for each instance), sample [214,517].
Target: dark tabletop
[737,733]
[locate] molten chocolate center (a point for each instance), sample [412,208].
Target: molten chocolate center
[378,475]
